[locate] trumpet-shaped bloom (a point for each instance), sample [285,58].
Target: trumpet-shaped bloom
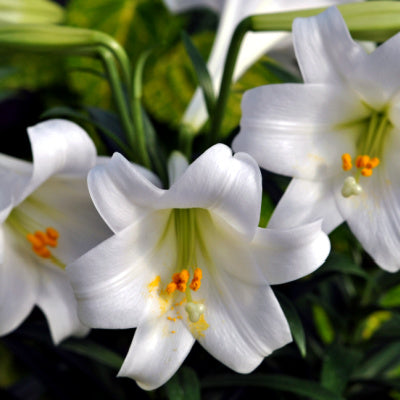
[253,47]
[338,135]
[47,219]
[190,263]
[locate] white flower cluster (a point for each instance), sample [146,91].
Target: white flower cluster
[98,243]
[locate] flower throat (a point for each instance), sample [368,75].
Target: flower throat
[370,148]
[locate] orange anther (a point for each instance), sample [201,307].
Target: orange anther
[366,172]
[195,284]
[346,162]
[42,251]
[171,287]
[41,236]
[362,161]
[181,286]
[184,275]
[175,277]
[373,163]
[198,273]
[36,242]
[41,239]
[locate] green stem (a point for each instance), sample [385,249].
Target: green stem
[119,97]
[138,111]
[230,62]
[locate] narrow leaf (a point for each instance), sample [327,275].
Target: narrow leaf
[311,390]
[338,365]
[323,324]
[380,361]
[295,324]
[94,351]
[203,76]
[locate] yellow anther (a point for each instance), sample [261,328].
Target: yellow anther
[366,172]
[346,162]
[171,319]
[171,287]
[172,331]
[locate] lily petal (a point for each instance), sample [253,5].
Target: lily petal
[287,255]
[57,301]
[177,6]
[246,322]
[376,79]
[124,266]
[72,152]
[306,201]
[121,183]
[234,192]
[65,205]
[156,353]
[291,129]
[320,43]
[374,215]
[18,284]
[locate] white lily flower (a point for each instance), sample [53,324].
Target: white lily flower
[338,135]
[190,263]
[253,47]
[47,219]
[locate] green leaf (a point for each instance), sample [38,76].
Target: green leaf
[323,324]
[137,25]
[296,326]
[391,298]
[94,351]
[184,385]
[267,207]
[381,360]
[338,365]
[100,119]
[203,76]
[343,264]
[311,390]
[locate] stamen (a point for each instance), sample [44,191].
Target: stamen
[196,281]
[366,172]
[346,162]
[373,163]
[179,281]
[194,310]
[40,240]
[362,161]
